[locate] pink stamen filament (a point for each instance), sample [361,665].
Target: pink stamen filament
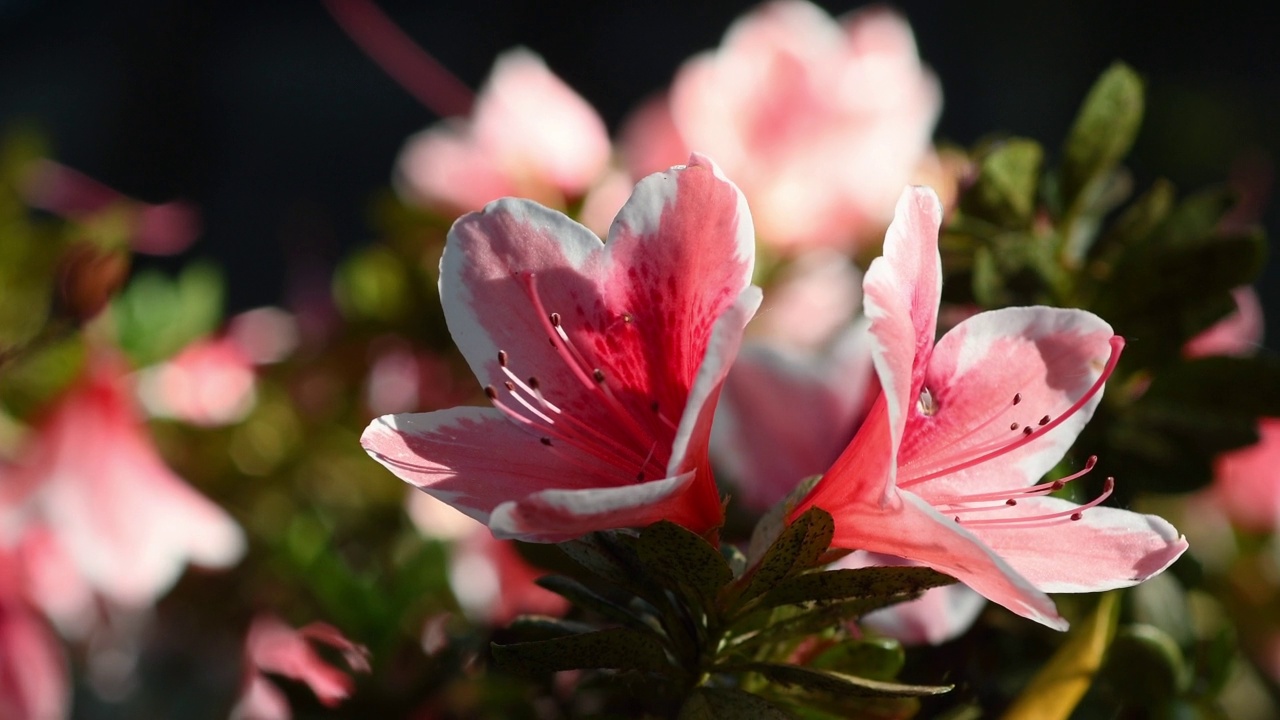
[569,353]
[1016,493]
[1117,344]
[1030,521]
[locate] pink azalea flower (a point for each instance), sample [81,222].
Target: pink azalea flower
[210,383]
[529,135]
[944,470]
[820,122]
[493,584]
[603,363]
[1239,333]
[95,480]
[784,416]
[274,647]
[33,674]
[1246,482]
[940,615]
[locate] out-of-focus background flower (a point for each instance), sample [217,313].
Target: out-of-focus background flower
[281,130]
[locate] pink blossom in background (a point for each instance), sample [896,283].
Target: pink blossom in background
[1238,334]
[402,378]
[493,584]
[96,482]
[603,363]
[275,648]
[33,673]
[940,615]
[529,135]
[814,298]
[1246,482]
[944,469]
[784,416]
[165,229]
[821,122]
[210,383]
[490,580]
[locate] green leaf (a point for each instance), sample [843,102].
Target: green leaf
[836,684]
[877,659]
[614,648]
[1103,133]
[587,599]
[606,558]
[792,621]
[157,316]
[1055,691]
[797,548]
[846,583]
[682,556]
[1144,666]
[1004,191]
[718,703]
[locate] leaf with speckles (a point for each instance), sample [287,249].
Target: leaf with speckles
[797,548]
[684,557]
[587,599]
[614,648]
[848,584]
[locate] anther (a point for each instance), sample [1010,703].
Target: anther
[533,382]
[510,385]
[1056,485]
[491,392]
[502,358]
[598,374]
[653,406]
[555,319]
[628,318]
[1044,420]
[545,441]
[1013,426]
[1027,430]
[1017,398]
[1077,515]
[1010,502]
[640,476]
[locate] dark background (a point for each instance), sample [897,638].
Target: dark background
[269,118]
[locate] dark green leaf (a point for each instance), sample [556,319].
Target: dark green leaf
[615,648]
[1103,132]
[845,584]
[797,548]
[1005,189]
[1144,666]
[529,628]
[838,684]
[587,599]
[606,558]
[680,555]
[719,704]
[877,659]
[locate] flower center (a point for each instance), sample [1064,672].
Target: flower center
[636,450]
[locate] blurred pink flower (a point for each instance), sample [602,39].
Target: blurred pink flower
[529,135]
[95,481]
[603,363]
[493,584]
[209,383]
[274,647]
[1246,482]
[820,122]
[1239,333]
[944,469]
[940,615]
[33,673]
[165,229]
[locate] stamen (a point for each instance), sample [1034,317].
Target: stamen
[545,441]
[1028,435]
[502,358]
[1044,420]
[598,375]
[1013,426]
[1074,514]
[1031,491]
[510,385]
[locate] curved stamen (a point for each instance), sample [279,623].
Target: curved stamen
[1117,344]
[1015,493]
[1029,521]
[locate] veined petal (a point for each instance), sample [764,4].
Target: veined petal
[558,515]
[475,458]
[910,528]
[1106,548]
[1046,358]
[902,290]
